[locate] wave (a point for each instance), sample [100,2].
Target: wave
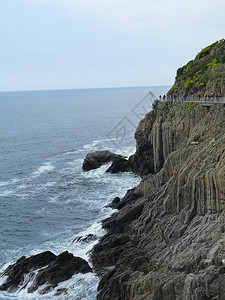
[11,181]
[72,152]
[47,167]
[81,286]
[7,193]
[97,173]
[99,144]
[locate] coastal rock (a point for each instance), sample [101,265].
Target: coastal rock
[85,239]
[96,159]
[120,164]
[24,266]
[44,268]
[114,203]
[167,239]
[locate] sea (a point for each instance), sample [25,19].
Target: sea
[46,199]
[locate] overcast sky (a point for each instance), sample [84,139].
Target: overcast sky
[60,44]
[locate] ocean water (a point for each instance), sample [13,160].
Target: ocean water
[46,200]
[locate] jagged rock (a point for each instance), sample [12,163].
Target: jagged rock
[167,240]
[24,266]
[114,203]
[50,269]
[85,239]
[120,165]
[96,159]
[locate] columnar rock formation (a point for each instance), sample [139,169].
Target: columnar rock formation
[168,239]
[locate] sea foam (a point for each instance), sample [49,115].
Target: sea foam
[47,167]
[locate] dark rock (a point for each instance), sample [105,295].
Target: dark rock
[61,291]
[25,265]
[167,239]
[63,268]
[120,165]
[131,196]
[85,239]
[108,251]
[114,203]
[96,159]
[56,269]
[130,214]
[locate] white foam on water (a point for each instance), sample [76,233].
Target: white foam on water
[23,196]
[5,266]
[82,248]
[12,181]
[76,162]
[7,193]
[47,167]
[72,166]
[101,144]
[53,199]
[50,183]
[96,172]
[94,144]
[3,279]
[41,211]
[126,151]
[22,186]
[79,287]
[73,152]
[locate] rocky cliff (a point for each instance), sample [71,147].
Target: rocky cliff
[167,241]
[204,74]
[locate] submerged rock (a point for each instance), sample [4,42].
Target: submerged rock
[43,268]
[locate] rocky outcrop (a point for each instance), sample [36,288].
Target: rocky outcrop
[43,269]
[96,159]
[168,239]
[205,74]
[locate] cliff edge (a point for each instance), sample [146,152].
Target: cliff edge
[167,241]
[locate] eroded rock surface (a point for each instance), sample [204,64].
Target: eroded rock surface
[168,239]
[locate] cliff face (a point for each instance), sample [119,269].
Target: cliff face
[168,239]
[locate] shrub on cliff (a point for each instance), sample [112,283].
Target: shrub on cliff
[204,74]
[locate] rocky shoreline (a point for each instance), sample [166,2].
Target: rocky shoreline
[167,241]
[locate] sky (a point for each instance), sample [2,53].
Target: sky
[69,44]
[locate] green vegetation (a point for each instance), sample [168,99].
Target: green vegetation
[162,108]
[188,107]
[204,74]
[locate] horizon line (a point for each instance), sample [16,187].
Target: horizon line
[87,88]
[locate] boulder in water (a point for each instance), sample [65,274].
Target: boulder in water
[50,269]
[96,159]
